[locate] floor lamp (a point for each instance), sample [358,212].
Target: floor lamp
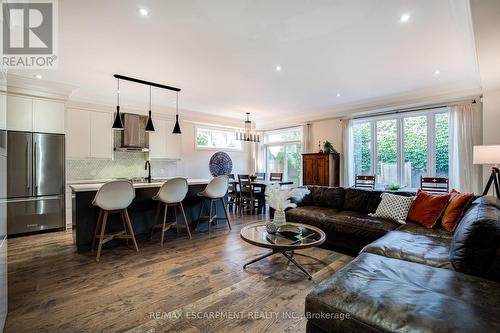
[489,155]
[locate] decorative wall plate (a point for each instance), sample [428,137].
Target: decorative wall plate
[220,164]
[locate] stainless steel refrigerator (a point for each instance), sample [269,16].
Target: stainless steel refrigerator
[35,185]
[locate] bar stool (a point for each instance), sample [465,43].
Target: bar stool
[113,197]
[171,194]
[215,191]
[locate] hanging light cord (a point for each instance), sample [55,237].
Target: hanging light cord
[118,93]
[177,103]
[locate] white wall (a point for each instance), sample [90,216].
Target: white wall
[491,117]
[194,162]
[330,129]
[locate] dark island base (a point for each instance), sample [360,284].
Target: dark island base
[142,212]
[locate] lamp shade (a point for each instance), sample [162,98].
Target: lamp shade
[486,154]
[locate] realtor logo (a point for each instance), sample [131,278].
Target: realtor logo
[28,34]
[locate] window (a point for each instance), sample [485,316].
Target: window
[283,153]
[212,138]
[402,148]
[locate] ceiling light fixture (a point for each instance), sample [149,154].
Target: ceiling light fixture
[247,134]
[118,124]
[278,68]
[404,18]
[143,11]
[177,128]
[38,76]
[149,124]
[338,95]
[437,72]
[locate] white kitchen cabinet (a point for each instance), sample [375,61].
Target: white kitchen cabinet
[77,134]
[162,143]
[3,112]
[101,135]
[19,113]
[89,134]
[48,116]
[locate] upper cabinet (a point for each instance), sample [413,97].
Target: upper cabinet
[48,116]
[88,134]
[34,115]
[162,143]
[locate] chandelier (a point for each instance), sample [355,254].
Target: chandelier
[247,134]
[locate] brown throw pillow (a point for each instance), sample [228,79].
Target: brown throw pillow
[427,208]
[455,209]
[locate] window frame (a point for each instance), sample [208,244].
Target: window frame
[215,129]
[283,143]
[399,117]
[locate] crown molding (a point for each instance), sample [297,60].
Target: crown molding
[22,85]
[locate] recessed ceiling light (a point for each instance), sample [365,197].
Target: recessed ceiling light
[437,72]
[38,76]
[338,95]
[404,18]
[278,68]
[143,11]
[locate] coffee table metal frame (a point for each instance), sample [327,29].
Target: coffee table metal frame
[287,250]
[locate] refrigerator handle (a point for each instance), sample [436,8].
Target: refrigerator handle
[35,160]
[28,185]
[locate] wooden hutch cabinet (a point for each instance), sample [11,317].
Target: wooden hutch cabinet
[320,169]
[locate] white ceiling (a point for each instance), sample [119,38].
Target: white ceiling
[223,53]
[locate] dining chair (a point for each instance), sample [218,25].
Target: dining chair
[171,194]
[113,198]
[233,195]
[276,177]
[247,194]
[215,191]
[367,182]
[434,184]
[260,175]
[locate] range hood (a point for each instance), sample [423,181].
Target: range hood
[133,138]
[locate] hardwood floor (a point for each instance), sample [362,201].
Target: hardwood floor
[188,286]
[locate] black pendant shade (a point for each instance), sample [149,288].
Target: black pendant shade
[149,124]
[177,128]
[117,124]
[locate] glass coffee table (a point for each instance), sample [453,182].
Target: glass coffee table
[291,237]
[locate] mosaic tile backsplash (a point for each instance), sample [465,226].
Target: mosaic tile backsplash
[124,165]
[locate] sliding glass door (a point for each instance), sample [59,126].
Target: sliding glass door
[286,159]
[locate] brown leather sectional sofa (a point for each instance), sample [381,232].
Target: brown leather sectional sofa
[406,278]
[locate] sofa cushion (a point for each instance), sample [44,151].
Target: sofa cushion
[366,201]
[393,207]
[332,197]
[422,249]
[428,208]
[350,230]
[475,244]
[415,228]
[392,295]
[456,208]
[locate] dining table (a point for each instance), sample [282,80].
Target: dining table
[262,184]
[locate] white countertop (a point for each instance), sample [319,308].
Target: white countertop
[92,186]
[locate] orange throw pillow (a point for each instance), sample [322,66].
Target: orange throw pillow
[455,209]
[427,208]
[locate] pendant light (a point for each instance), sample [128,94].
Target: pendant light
[149,124]
[117,124]
[177,128]
[247,134]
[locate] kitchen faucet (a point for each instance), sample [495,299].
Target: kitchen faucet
[148,164]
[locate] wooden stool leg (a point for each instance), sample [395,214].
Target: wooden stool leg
[175,214]
[185,220]
[124,225]
[210,217]
[164,224]
[225,212]
[103,227]
[96,230]
[158,209]
[127,218]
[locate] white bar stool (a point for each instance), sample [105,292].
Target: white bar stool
[113,197]
[215,190]
[171,194]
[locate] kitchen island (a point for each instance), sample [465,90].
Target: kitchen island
[142,210]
